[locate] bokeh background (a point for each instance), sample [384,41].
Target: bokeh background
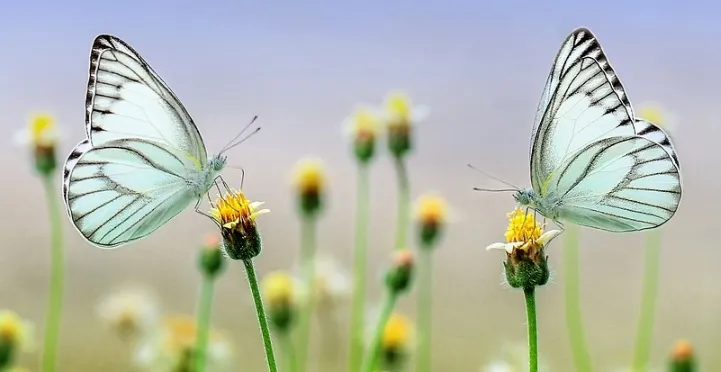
[302,66]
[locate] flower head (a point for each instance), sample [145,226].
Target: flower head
[210,259]
[236,216]
[397,340]
[131,312]
[309,182]
[364,125]
[279,293]
[432,213]
[172,347]
[41,136]
[400,115]
[400,274]
[15,336]
[655,114]
[682,357]
[526,264]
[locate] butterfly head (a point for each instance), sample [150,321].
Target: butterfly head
[217,163]
[525,197]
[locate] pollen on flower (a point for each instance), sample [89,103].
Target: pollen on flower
[522,227]
[234,211]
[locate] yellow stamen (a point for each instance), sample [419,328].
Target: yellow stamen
[522,226]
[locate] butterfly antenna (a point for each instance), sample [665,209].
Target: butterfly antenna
[232,143]
[515,188]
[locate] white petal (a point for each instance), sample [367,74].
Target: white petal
[22,138]
[420,113]
[547,236]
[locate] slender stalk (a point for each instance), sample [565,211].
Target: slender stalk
[425,305]
[644,330]
[404,201]
[574,321]
[530,294]
[204,312]
[360,257]
[308,244]
[262,318]
[372,353]
[291,359]
[55,303]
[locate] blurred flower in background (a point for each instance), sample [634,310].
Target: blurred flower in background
[512,358]
[172,346]
[397,341]
[309,181]
[332,283]
[656,114]
[130,312]
[364,126]
[279,293]
[40,137]
[400,115]
[16,335]
[682,358]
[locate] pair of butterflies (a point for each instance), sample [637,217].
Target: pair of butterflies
[144,161]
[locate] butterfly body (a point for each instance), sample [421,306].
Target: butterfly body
[593,163]
[143,161]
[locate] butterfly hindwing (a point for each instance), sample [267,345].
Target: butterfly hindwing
[583,102]
[618,184]
[124,190]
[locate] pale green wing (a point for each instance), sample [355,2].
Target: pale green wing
[617,184]
[127,99]
[652,132]
[583,102]
[124,190]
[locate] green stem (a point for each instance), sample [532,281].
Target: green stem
[307,251]
[290,357]
[404,201]
[359,268]
[574,321]
[374,348]
[530,294]
[52,324]
[204,312]
[424,310]
[262,318]
[644,330]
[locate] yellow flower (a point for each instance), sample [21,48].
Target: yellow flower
[41,132]
[170,348]
[364,124]
[431,210]
[398,332]
[131,312]
[523,232]
[16,332]
[236,216]
[309,176]
[400,111]
[655,114]
[682,350]
[278,289]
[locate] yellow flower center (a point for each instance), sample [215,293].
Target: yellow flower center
[234,210]
[309,176]
[365,123]
[399,105]
[653,114]
[40,126]
[10,326]
[432,210]
[397,332]
[278,288]
[522,226]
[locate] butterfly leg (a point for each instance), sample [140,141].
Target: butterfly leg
[197,210]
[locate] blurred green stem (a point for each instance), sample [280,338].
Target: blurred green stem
[289,352]
[644,330]
[307,252]
[530,294]
[424,310]
[52,324]
[574,322]
[404,201]
[262,318]
[204,312]
[372,352]
[359,268]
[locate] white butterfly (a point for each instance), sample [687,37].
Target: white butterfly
[593,163]
[143,161]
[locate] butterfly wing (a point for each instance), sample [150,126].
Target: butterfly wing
[618,184]
[131,175]
[127,99]
[124,190]
[652,132]
[583,102]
